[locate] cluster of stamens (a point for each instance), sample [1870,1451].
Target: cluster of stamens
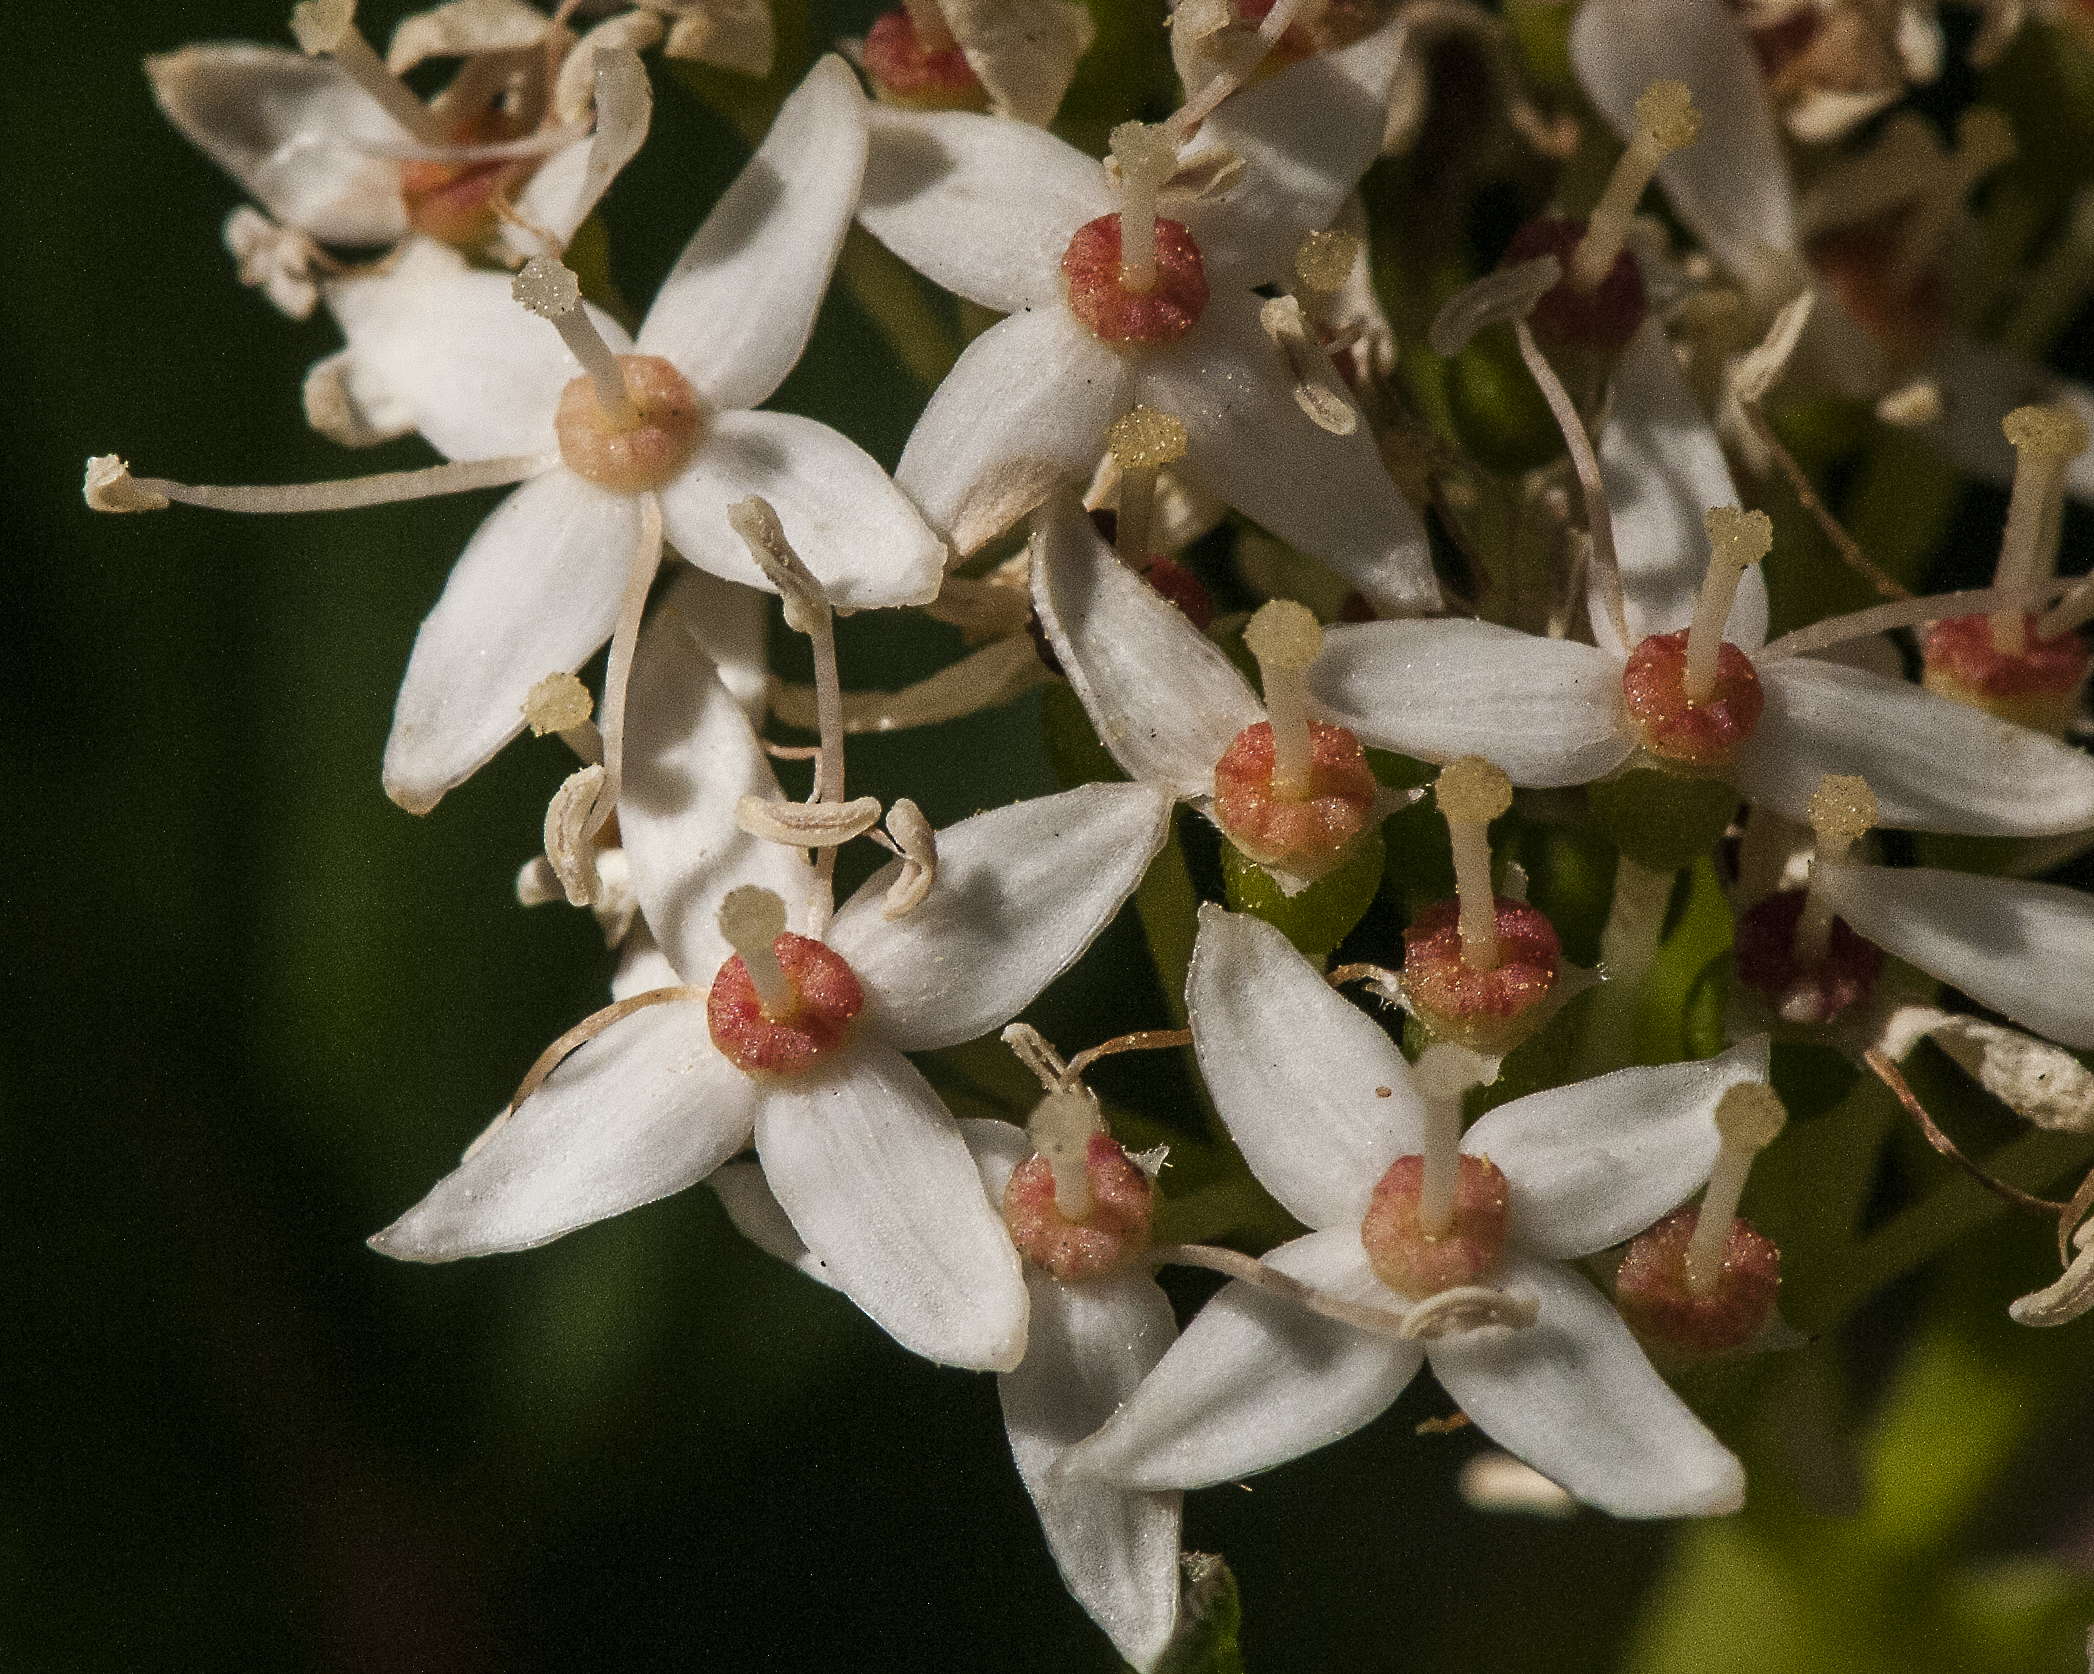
[1702,1279]
[1479,969]
[1694,697]
[1290,790]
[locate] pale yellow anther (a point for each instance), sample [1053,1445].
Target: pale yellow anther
[1665,115]
[1146,439]
[1843,808]
[1284,635]
[1472,791]
[1323,261]
[1738,537]
[1749,1116]
[2054,432]
[546,288]
[319,25]
[557,703]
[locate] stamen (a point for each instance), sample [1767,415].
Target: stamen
[1738,540]
[1666,121]
[917,843]
[752,919]
[1286,638]
[1441,1076]
[618,665]
[327,28]
[1146,157]
[1142,442]
[560,703]
[807,611]
[571,821]
[1323,261]
[1471,793]
[110,487]
[1060,1130]
[1842,811]
[553,293]
[1748,1117]
[1599,518]
[1036,1052]
[2046,440]
[1318,391]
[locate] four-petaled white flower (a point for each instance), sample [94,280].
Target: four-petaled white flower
[1322,1102]
[861,1152]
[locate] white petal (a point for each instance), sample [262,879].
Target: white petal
[1663,468]
[1256,1380]
[641,964]
[643,1110]
[731,625]
[1547,711]
[481,376]
[739,306]
[1021,892]
[1306,136]
[1574,1397]
[1732,185]
[981,205]
[879,1185]
[1024,409]
[689,755]
[569,184]
[1249,443]
[295,131]
[761,1218]
[2026,949]
[864,542]
[1595,1162]
[1117,1548]
[1295,1069]
[1164,699]
[1023,51]
[535,593]
[1934,764]
[998,1148]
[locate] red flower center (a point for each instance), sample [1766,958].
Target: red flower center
[1310,832]
[1100,1242]
[1486,1011]
[1707,733]
[903,73]
[1417,1265]
[1651,1286]
[826,1000]
[1161,314]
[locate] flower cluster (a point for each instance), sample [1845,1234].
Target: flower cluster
[1406,615]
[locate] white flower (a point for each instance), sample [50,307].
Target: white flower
[989,209]
[1322,1102]
[860,1151]
[1088,1348]
[1550,712]
[356,159]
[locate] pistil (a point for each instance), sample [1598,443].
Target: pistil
[1737,541]
[1142,442]
[1147,156]
[2046,441]
[1842,812]
[1442,1075]
[554,294]
[1748,1117]
[752,919]
[327,29]
[1286,638]
[1471,793]
[1666,121]
[1060,1129]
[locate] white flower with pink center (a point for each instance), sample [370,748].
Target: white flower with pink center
[1357,1144]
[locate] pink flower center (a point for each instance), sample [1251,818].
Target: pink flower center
[1309,832]
[826,999]
[454,203]
[2037,687]
[650,453]
[1652,1293]
[1163,313]
[1803,993]
[1673,725]
[905,73]
[1604,318]
[1486,1011]
[1101,1242]
[1415,1264]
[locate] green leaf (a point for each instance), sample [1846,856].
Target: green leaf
[1210,1619]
